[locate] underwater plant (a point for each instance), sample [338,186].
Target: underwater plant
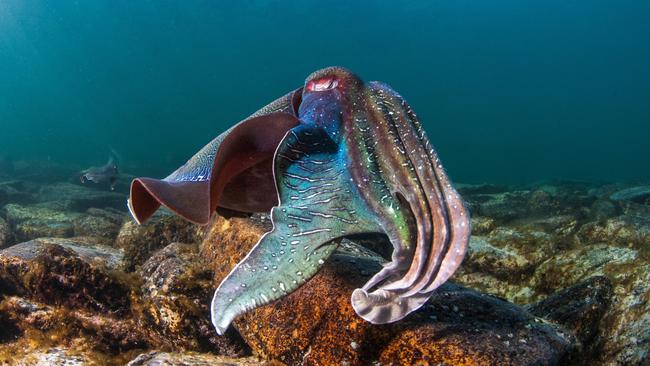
[334,158]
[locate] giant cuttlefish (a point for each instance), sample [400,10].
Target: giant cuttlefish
[334,158]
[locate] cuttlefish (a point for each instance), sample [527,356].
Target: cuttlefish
[334,158]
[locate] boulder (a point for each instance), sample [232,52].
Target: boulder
[578,308]
[140,241]
[16,191]
[317,325]
[55,356]
[623,230]
[61,272]
[57,325]
[176,293]
[501,262]
[640,194]
[192,359]
[482,225]
[5,234]
[99,223]
[81,198]
[501,207]
[31,222]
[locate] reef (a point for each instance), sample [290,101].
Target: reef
[557,273]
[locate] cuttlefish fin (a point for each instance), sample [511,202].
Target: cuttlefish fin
[194,190]
[318,205]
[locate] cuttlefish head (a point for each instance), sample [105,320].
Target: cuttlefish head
[341,157]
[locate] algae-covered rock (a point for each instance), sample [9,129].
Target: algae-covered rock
[100,332]
[192,359]
[140,241]
[73,275]
[16,191]
[81,197]
[52,357]
[176,293]
[487,258]
[578,308]
[88,249]
[482,225]
[623,337]
[567,268]
[317,325]
[5,234]
[640,194]
[31,222]
[99,223]
[623,230]
[501,207]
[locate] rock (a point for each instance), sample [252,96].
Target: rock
[99,223]
[139,241]
[80,197]
[176,293]
[624,230]
[31,222]
[603,209]
[499,262]
[625,330]
[470,189]
[639,194]
[578,308]
[317,325]
[15,191]
[501,207]
[100,332]
[74,275]
[5,234]
[514,288]
[623,336]
[87,249]
[51,357]
[482,225]
[192,359]
[570,267]
[534,245]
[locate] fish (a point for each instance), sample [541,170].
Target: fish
[107,173]
[334,158]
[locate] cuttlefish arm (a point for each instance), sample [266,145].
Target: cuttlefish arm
[234,170]
[359,162]
[318,204]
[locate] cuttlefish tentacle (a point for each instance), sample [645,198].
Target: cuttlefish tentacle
[403,187]
[344,157]
[441,218]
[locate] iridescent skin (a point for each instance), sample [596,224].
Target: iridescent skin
[357,161]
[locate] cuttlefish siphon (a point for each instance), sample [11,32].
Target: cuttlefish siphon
[334,158]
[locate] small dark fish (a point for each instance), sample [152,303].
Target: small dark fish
[104,174]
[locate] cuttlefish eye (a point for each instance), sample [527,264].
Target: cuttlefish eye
[322,84]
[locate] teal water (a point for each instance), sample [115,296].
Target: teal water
[509,91]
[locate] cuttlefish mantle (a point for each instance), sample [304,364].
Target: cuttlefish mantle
[335,158]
